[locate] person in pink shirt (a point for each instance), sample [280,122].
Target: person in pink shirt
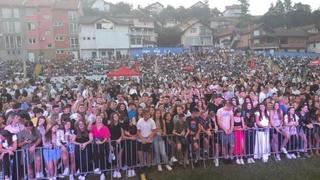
[101,136]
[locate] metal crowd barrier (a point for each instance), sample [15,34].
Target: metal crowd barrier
[254,143]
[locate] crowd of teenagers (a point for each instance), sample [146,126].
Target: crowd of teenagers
[223,110]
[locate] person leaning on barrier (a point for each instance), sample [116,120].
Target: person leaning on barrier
[193,133]
[8,146]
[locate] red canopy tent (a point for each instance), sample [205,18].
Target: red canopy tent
[123,71]
[315,62]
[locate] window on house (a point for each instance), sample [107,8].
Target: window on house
[203,30]
[16,13]
[93,38]
[88,38]
[12,44]
[8,27]
[256,41]
[60,52]
[32,40]
[256,33]
[103,53]
[73,27]
[72,15]
[19,41]
[49,45]
[74,43]
[6,13]
[31,26]
[84,38]
[8,52]
[193,30]
[7,42]
[314,45]
[59,38]
[58,23]
[104,25]
[17,27]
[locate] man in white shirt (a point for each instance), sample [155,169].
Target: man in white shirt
[146,131]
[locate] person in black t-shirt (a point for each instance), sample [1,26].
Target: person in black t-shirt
[116,132]
[130,137]
[193,133]
[216,104]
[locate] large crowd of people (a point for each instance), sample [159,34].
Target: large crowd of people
[224,109]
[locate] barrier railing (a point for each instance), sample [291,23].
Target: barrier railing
[129,155]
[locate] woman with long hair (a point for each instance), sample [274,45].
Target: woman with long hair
[169,141]
[276,121]
[250,131]
[68,150]
[291,122]
[51,149]
[116,132]
[262,142]
[158,142]
[83,149]
[238,136]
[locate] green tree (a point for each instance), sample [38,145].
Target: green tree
[287,5]
[121,8]
[244,6]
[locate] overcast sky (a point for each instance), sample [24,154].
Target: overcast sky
[257,7]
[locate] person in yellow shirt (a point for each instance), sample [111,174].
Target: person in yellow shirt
[38,112]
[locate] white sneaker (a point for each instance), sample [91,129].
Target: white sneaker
[293,156]
[249,161]
[265,160]
[159,168]
[81,177]
[252,160]
[174,159]
[71,177]
[278,157]
[102,177]
[133,173]
[284,150]
[169,168]
[238,162]
[129,173]
[118,174]
[97,171]
[288,156]
[216,162]
[114,174]
[241,161]
[66,172]
[39,175]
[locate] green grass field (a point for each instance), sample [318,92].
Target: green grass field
[299,169]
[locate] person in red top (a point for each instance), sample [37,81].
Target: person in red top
[101,136]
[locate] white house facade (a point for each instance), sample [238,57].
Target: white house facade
[102,37]
[197,34]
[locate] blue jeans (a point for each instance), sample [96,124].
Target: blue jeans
[159,149]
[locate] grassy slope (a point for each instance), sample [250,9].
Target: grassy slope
[300,169]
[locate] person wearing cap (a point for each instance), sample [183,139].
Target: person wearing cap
[226,123]
[146,131]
